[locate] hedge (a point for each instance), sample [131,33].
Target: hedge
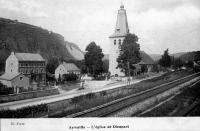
[29,111]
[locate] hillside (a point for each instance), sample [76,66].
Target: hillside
[177,55]
[155,57]
[20,37]
[75,51]
[190,56]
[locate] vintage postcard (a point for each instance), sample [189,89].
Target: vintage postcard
[99,65]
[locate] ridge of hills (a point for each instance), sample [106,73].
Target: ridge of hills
[184,56]
[21,37]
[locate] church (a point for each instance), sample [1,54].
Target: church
[116,40]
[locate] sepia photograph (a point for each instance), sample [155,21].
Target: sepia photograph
[113,63]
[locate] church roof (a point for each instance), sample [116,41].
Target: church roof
[121,28]
[118,35]
[29,57]
[70,67]
[146,59]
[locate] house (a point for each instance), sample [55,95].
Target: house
[17,81]
[66,68]
[147,61]
[29,64]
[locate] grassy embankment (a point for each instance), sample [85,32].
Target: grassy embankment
[179,103]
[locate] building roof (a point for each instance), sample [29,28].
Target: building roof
[146,59]
[70,67]
[9,76]
[121,28]
[115,35]
[29,57]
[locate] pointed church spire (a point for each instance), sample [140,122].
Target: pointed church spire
[122,5]
[121,28]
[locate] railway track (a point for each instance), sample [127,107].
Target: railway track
[119,104]
[189,109]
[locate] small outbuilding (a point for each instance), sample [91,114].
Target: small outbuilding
[146,61]
[66,68]
[16,81]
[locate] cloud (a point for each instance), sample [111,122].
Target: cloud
[143,5]
[160,29]
[159,24]
[24,8]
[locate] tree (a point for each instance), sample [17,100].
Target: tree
[144,69]
[105,65]
[189,64]
[52,65]
[93,59]
[165,61]
[69,77]
[177,62]
[129,54]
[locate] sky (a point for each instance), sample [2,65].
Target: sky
[159,24]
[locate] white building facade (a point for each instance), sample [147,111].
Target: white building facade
[116,40]
[12,64]
[66,68]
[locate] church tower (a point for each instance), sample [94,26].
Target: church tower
[116,40]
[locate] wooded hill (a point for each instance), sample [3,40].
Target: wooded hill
[20,37]
[184,56]
[190,56]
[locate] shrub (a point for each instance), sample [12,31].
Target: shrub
[70,77]
[90,95]
[77,99]
[24,112]
[103,93]
[5,90]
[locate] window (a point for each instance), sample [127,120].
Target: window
[114,42]
[20,78]
[120,44]
[119,41]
